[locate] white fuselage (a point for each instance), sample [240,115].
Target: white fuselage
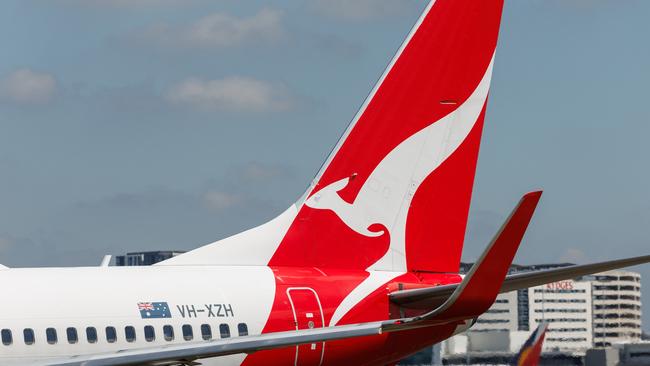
[101,297]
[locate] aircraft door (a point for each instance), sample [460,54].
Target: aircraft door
[307,314]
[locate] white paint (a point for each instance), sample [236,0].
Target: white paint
[253,247]
[370,284]
[101,297]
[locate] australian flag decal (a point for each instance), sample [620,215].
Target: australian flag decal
[149,310]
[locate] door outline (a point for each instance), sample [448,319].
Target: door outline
[295,318]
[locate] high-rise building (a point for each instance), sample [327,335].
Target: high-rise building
[616,307]
[591,311]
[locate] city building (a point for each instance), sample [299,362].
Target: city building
[145,258]
[601,310]
[616,307]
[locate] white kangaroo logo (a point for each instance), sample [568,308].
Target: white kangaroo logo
[385,196]
[329,199]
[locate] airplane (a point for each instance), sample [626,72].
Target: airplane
[531,350]
[361,270]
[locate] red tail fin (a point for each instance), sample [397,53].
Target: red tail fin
[395,192]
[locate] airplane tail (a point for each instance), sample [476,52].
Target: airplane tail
[531,350]
[394,194]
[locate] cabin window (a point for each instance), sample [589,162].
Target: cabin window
[149,333]
[129,333]
[187,332]
[168,332]
[91,334]
[206,332]
[50,334]
[28,335]
[111,335]
[242,328]
[72,335]
[224,329]
[7,339]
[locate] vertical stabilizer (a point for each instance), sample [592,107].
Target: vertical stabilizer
[395,192]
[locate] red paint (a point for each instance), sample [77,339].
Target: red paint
[445,60]
[435,228]
[437,71]
[307,314]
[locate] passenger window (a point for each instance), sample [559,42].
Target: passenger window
[111,335]
[242,328]
[50,334]
[168,332]
[149,333]
[72,335]
[28,335]
[187,332]
[224,329]
[129,333]
[91,334]
[206,332]
[7,339]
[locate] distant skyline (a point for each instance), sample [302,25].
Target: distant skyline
[144,125]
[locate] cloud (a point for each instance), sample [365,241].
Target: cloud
[231,93]
[220,30]
[5,243]
[220,201]
[25,86]
[361,9]
[127,3]
[573,255]
[256,172]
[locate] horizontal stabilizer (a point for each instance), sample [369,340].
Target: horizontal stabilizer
[426,298]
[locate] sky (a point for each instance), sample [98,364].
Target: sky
[145,125]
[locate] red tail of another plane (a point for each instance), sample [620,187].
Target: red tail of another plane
[532,348]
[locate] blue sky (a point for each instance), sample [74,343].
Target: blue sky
[139,125]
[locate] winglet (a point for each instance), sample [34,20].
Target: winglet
[481,285]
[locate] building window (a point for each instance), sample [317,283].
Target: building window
[72,335]
[149,333]
[28,335]
[497,311]
[50,334]
[7,339]
[129,333]
[206,332]
[523,318]
[188,334]
[111,335]
[91,334]
[490,321]
[168,333]
[242,328]
[224,329]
